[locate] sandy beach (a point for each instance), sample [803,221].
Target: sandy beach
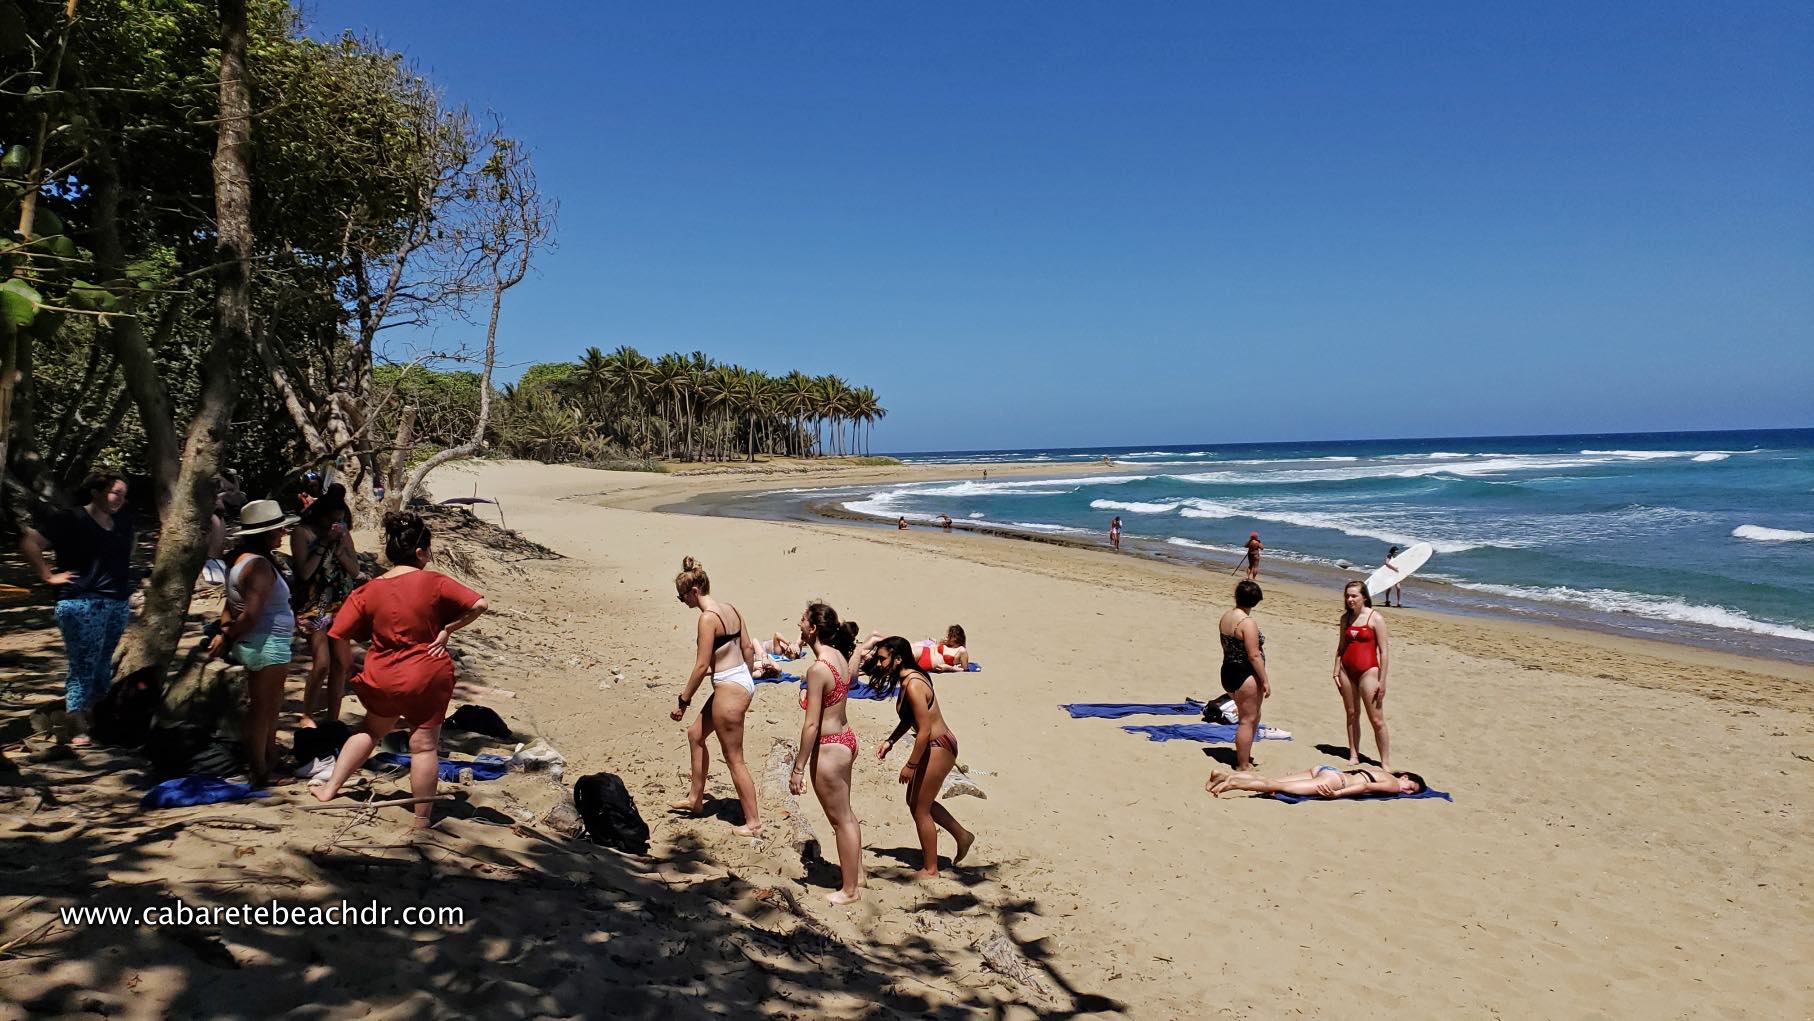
[1628,835]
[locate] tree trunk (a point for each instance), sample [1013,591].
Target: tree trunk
[129,344]
[477,443]
[183,535]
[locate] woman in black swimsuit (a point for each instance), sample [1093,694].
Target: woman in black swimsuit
[1244,667]
[934,750]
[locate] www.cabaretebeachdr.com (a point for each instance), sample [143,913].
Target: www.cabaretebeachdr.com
[272,913]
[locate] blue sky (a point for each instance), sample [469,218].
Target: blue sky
[1046,224]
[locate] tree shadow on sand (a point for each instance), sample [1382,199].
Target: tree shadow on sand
[552,926]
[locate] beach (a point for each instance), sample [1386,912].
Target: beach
[1628,835]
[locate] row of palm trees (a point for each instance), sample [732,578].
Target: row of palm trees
[690,406]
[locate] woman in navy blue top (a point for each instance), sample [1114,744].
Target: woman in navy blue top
[93,579]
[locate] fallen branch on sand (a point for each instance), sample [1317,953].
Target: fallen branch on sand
[391,803]
[775,776]
[1006,960]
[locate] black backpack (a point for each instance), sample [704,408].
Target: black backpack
[611,818]
[123,716]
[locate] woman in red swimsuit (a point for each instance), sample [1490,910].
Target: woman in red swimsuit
[1361,660]
[827,743]
[934,750]
[404,617]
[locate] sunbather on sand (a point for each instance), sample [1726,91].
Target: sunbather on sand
[771,653]
[933,657]
[1321,782]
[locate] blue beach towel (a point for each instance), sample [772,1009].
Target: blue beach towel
[973,667]
[485,767]
[778,678]
[1118,710]
[186,791]
[1218,733]
[1292,799]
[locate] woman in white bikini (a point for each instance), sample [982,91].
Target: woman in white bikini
[724,652]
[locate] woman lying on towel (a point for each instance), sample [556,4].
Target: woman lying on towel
[932,657]
[771,653]
[1321,782]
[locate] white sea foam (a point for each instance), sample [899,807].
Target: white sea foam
[1651,607]
[1712,455]
[1193,544]
[1359,528]
[977,514]
[1135,507]
[1041,526]
[1760,533]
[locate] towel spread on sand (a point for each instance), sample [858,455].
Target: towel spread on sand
[1219,733]
[1293,799]
[973,667]
[778,678]
[1118,710]
[485,767]
[185,791]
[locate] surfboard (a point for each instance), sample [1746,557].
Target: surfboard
[1403,566]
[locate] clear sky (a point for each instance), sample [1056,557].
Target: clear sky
[1049,224]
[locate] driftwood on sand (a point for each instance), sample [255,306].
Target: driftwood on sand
[794,828]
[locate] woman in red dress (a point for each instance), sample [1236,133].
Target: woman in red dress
[405,617]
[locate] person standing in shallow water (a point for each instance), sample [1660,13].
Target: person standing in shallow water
[1253,556]
[723,651]
[1115,532]
[93,581]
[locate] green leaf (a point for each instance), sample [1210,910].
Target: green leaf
[17,158]
[18,303]
[92,298]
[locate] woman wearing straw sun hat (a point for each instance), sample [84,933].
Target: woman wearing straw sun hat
[258,634]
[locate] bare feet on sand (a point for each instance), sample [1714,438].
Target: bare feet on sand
[688,807]
[923,874]
[840,897]
[963,846]
[749,830]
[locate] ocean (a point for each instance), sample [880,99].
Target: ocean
[1706,537]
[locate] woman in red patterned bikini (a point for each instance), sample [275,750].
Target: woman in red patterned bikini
[934,749]
[828,745]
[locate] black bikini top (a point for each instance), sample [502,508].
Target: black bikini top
[720,641]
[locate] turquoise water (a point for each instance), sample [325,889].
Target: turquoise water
[1709,533]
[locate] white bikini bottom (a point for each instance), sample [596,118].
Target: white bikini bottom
[738,675]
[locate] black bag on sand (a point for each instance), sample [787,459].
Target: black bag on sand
[479,720]
[611,818]
[311,743]
[189,749]
[123,716]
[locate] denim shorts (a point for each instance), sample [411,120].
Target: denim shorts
[256,652]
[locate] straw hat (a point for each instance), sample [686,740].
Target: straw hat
[263,516]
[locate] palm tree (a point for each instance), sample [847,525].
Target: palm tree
[667,382]
[630,375]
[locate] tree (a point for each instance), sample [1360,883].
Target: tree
[182,544]
[522,224]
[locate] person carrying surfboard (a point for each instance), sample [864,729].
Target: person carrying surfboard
[1396,589]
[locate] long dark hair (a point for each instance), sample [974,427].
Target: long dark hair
[827,629]
[326,506]
[1414,778]
[901,651]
